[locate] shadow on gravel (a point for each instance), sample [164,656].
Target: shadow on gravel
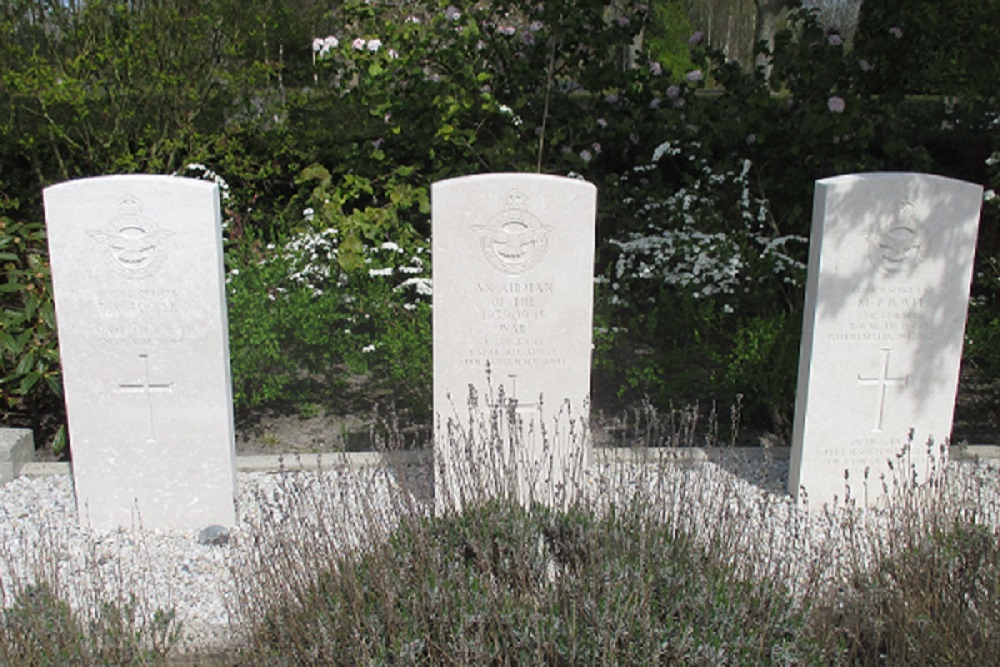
[763,467]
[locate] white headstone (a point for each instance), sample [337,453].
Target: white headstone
[513,316]
[138,279]
[890,264]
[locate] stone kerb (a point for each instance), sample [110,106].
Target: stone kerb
[513,312]
[138,282]
[891,258]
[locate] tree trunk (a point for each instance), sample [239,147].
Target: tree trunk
[768,14]
[728,25]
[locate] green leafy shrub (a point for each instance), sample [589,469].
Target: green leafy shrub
[922,46]
[982,330]
[261,368]
[349,294]
[110,87]
[30,376]
[472,87]
[982,335]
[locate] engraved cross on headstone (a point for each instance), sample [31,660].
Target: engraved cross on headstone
[148,388]
[518,405]
[882,382]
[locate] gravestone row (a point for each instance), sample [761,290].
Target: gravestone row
[140,302]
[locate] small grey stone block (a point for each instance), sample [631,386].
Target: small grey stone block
[17,447]
[214,535]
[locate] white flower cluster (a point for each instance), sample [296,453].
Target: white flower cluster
[378,255]
[421,285]
[209,175]
[310,256]
[312,259]
[790,269]
[666,148]
[507,111]
[683,246]
[361,44]
[323,45]
[416,285]
[704,264]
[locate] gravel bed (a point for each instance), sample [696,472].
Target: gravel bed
[172,570]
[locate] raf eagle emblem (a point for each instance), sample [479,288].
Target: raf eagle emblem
[133,243]
[514,240]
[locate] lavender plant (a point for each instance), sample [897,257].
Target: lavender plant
[659,559]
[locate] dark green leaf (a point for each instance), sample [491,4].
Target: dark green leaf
[30,304]
[28,381]
[48,315]
[54,380]
[59,442]
[26,363]
[7,342]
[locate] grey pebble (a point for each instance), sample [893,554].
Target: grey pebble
[214,535]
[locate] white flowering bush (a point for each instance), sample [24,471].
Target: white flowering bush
[705,257]
[700,244]
[414,98]
[346,294]
[703,288]
[310,262]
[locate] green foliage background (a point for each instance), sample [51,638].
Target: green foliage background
[349,139]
